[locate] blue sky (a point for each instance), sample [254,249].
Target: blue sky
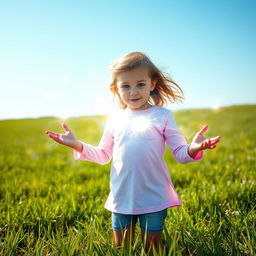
[54,55]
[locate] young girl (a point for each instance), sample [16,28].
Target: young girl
[134,137]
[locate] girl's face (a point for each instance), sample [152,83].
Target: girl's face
[134,88]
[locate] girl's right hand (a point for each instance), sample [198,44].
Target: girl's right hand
[67,139]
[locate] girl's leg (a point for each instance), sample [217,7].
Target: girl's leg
[152,240]
[152,225]
[123,226]
[127,234]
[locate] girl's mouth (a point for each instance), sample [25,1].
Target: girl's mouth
[134,99]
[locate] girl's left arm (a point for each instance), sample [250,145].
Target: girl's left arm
[182,151]
[177,142]
[199,142]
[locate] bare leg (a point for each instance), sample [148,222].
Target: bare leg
[152,240]
[128,233]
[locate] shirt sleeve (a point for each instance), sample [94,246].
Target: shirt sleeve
[177,142]
[101,154]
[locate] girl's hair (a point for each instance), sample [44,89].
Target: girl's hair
[164,90]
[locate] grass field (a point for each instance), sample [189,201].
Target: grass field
[51,204]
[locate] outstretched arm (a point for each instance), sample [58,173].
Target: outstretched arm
[101,154]
[67,139]
[199,142]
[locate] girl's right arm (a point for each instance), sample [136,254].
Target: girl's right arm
[67,139]
[101,154]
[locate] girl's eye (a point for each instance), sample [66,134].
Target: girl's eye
[141,84]
[125,86]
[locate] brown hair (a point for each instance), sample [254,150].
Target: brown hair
[164,90]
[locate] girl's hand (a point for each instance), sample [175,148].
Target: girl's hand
[67,139]
[199,142]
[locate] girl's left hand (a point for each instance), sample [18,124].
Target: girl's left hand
[199,142]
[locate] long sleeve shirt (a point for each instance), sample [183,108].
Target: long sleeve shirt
[139,179]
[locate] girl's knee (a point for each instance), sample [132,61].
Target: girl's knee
[156,237]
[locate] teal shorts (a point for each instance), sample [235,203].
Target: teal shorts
[150,222]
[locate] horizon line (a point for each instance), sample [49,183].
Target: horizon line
[177,110]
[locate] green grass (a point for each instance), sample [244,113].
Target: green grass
[53,205]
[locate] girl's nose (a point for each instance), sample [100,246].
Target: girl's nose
[133,90]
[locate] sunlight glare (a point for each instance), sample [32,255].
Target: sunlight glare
[140,124]
[215,108]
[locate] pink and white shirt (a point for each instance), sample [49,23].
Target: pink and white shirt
[139,180]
